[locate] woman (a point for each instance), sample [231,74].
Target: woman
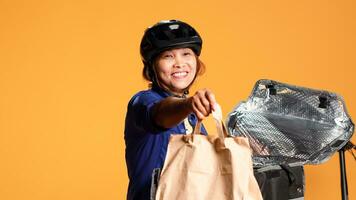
[170,53]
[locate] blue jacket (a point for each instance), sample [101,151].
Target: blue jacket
[146,143]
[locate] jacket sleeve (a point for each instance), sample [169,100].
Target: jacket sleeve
[140,110]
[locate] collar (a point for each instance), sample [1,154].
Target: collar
[160,91]
[163,92]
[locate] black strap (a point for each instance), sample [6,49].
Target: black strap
[290,173]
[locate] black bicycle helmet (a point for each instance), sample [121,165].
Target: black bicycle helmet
[168,34]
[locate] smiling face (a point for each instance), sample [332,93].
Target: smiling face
[176,69]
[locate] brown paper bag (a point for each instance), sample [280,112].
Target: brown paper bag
[198,167]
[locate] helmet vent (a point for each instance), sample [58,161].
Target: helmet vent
[174,26]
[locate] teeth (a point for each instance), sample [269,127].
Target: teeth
[179,74]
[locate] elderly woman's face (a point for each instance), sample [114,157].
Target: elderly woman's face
[176,69]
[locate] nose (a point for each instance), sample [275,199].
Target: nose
[179,61]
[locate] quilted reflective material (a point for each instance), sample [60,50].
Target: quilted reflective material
[288,124]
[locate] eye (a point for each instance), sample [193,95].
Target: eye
[167,55]
[187,53]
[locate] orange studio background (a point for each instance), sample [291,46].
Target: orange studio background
[68,69]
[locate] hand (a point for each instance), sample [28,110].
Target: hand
[202,103]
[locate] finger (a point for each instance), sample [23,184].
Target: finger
[199,106]
[197,113]
[211,98]
[205,102]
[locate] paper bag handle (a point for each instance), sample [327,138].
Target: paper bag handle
[220,126]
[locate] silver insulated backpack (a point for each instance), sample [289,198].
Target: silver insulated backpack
[288,124]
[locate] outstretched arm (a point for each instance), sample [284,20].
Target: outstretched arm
[172,110]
